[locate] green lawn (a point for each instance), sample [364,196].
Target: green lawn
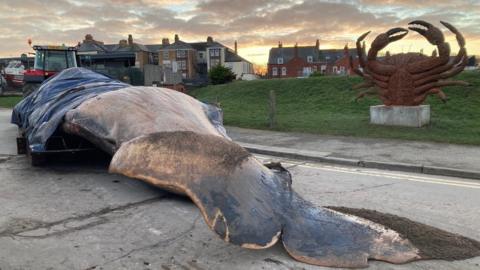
[9,101]
[326,105]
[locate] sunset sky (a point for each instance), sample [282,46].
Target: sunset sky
[256,24]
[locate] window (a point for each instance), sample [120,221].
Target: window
[310,59]
[181,53]
[307,71]
[200,55]
[214,52]
[280,60]
[182,65]
[284,71]
[214,62]
[335,69]
[54,60]
[166,55]
[342,69]
[323,68]
[315,68]
[274,71]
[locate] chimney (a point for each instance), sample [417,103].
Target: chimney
[165,42]
[236,47]
[122,43]
[280,45]
[296,50]
[317,44]
[345,50]
[176,38]
[209,39]
[88,37]
[130,40]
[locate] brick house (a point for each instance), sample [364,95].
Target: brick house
[301,61]
[179,56]
[195,59]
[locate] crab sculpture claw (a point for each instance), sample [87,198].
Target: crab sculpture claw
[458,35]
[391,35]
[430,32]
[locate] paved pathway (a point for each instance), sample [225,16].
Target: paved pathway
[463,157]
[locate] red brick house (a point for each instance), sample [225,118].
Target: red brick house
[301,61]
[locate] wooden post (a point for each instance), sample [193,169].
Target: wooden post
[273,109]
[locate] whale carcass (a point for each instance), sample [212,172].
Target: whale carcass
[172,141]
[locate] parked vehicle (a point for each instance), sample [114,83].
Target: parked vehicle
[49,60]
[3,85]
[13,74]
[249,77]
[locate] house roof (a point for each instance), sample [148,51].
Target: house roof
[178,45]
[154,47]
[92,46]
[135,47]
[231,56]
[327,55]
[111,48]
[332,55]
[202,46]
[287,53]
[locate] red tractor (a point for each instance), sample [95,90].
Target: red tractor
[49,60]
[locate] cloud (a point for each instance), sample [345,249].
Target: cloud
[256,24]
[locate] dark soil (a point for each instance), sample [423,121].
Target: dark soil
[433,243]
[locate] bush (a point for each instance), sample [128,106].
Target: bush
[316,74]
[220,75]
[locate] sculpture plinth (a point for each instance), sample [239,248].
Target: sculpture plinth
[406,116]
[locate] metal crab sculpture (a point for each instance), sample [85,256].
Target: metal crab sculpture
[407,79]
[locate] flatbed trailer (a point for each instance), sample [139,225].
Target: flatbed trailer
[60,143]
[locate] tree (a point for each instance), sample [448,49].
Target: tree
[220,75]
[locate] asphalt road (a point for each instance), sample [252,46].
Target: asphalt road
[74,215]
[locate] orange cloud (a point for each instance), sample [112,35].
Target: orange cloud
[256,24]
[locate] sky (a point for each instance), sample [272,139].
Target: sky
[257,25]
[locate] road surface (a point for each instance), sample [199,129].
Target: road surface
[74,215]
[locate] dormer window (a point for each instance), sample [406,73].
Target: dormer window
[310,59]
[181,53]
[214,52]
[280,60]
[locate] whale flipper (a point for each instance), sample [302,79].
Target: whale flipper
[247,204]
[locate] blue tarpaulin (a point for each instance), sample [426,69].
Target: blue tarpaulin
[40,113]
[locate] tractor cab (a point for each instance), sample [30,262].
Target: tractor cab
[49,60]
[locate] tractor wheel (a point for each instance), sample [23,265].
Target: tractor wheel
[28,88]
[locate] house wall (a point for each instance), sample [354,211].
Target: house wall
[294,68]
[211,58]
[172,61]
[342,66]
[141,59]
[240,68]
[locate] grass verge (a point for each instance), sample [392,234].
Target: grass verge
[9,101]
[326,105]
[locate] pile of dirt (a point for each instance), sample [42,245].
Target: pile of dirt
[433,243]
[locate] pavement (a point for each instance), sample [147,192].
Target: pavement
[73,214]
[411,156]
